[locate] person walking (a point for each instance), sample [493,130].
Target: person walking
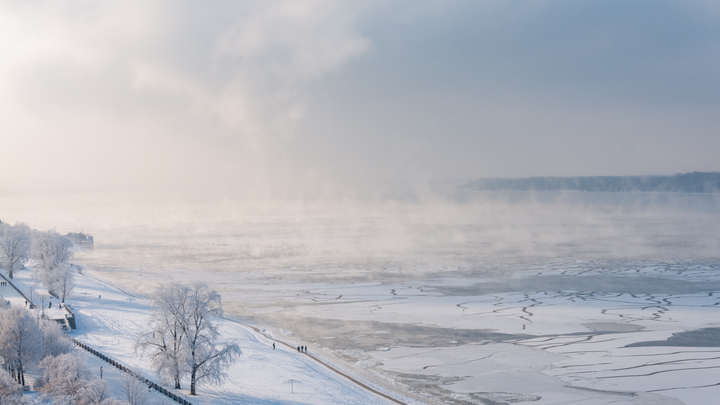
[273,345]
[101,372]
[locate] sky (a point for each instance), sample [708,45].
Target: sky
[316,97]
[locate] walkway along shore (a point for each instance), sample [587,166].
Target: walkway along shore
[10,283]
[374,391]
[317,360]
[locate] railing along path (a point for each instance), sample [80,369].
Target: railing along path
[180,400]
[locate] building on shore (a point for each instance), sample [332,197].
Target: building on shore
[81,239]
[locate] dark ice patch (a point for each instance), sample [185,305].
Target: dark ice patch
[613,327]
[706,337]
[503,398]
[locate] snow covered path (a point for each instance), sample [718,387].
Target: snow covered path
[109,321]
[353,380]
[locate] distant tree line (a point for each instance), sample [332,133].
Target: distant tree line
[695,182]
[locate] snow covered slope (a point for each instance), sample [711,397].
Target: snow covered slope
[109,320]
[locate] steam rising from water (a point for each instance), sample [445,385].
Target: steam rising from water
[461,229]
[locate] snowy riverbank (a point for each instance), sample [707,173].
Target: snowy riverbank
[109,320]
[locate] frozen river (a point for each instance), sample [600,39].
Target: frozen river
[469,299]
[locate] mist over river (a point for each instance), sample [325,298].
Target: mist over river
[464,229]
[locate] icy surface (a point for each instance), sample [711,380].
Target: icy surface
[552,346]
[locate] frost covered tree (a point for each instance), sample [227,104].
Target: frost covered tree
[64,375]
[95,392]
[54,340]
[134,391]
[14,246]
[206,359]
[62,281]
[50,249]
[52,252]
[20,341]
[183,337]
[9,389]
[165,341]
[67,379]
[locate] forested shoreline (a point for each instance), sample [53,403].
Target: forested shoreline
[695,182]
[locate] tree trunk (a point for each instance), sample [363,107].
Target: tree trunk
[176,344]
[21,375]
[192,381]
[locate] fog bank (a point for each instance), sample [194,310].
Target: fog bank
[467,229]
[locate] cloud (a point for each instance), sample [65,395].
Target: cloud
[275,97]
[141,90]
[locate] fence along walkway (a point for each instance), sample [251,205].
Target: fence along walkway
[180,400]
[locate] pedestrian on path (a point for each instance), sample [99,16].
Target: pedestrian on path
[273,345]
[101,372]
